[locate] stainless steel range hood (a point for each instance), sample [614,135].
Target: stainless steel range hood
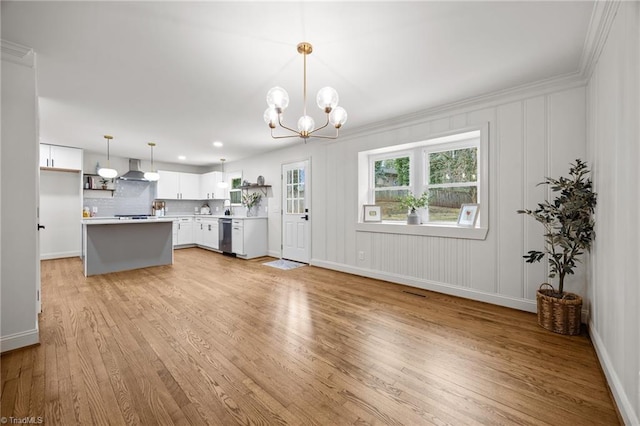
[134,172]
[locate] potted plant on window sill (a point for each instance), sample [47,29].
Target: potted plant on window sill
[568,231]
[412,203]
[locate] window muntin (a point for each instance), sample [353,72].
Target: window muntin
[452,171]
[391,179]
[295,191]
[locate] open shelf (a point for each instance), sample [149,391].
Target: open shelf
[263,188]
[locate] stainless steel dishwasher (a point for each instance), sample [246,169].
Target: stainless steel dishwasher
[224,228]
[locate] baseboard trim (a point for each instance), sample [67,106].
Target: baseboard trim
[274,253]
[50,256]
[19,340]
[625,408]
[500,300]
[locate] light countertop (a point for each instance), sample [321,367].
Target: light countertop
[115,220]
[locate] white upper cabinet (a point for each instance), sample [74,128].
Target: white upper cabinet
[60,157]
[189,186]
[168,185]
[209,187]
[178,186]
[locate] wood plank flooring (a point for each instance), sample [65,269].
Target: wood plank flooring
[221,341]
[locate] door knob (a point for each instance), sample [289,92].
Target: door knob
[40,227]
[305,217]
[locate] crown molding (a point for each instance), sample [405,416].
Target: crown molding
[487,100]
[17,53]
[604,12]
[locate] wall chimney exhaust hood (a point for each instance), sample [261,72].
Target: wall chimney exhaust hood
[134,173]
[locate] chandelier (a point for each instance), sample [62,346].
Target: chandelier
[327,100]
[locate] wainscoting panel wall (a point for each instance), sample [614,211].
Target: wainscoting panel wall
[614,151]
[529,139]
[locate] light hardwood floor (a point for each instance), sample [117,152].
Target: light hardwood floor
[217,340]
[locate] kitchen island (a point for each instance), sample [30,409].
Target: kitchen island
[112,245]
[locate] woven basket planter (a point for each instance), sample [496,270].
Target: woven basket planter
[563,316]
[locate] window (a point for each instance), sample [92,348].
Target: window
[452,179]
[391,181]
[235,193]
[452,170]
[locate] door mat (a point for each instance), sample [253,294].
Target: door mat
[284,264]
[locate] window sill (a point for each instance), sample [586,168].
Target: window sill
[430,229]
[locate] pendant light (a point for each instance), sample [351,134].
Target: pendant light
[108,172]
[223,183]
[153,174]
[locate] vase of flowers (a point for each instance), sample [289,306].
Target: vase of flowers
[249,200]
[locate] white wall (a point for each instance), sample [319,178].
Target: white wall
[20,263]
[614,139]
[531,137]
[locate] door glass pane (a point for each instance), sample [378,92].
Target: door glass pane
[295,191]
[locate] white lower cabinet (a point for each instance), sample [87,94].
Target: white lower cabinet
[183,232]
[206,232]
[249,237]
[237,236]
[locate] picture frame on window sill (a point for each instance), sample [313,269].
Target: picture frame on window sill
[371,213]
[468,215]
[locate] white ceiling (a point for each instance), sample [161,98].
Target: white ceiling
[185,74]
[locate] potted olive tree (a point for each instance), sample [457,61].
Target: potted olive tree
[568,231]
[411,203]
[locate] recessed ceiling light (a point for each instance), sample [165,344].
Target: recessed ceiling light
[181,157]
[218,144]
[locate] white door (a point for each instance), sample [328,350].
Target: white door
[296,216]
[60,213]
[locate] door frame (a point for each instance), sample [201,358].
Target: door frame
[308,201]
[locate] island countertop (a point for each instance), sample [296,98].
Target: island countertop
[115,220]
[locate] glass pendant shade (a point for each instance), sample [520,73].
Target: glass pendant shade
[151,176]
[278,98]
[222,183]
[107,173]
[338,117]
[327,98]
[271,117]
[306,124]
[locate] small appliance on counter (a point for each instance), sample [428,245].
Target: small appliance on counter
[158,208]
[205,209]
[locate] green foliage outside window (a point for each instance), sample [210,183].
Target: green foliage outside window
[453,166]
